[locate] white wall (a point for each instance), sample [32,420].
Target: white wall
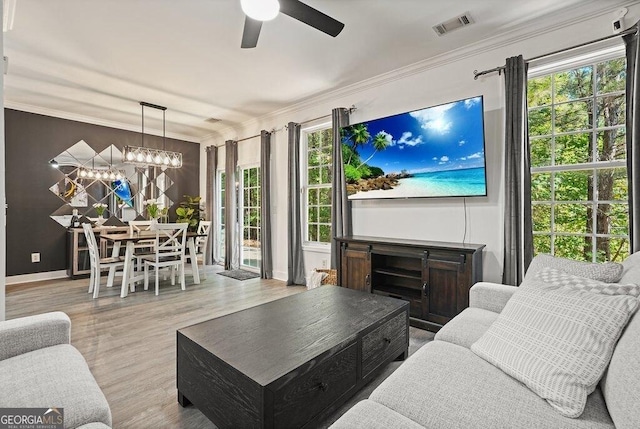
[445,79]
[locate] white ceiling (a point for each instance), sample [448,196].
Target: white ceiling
[96,59]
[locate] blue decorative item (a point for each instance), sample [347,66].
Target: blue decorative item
[123,191]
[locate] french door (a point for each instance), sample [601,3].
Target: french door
[249,218]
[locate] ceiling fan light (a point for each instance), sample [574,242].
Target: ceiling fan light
[261,10]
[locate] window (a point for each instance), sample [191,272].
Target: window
[250,247]
[318,186]
[578,167]
[221,215]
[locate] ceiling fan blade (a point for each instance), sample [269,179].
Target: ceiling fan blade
[310,16]
[251,32]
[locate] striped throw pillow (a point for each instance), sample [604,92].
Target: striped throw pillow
[558,341]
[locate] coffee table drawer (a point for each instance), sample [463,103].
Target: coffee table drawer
[379,345]
[308,393]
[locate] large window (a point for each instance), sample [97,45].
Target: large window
[578,174]
[250,221]
[318,186]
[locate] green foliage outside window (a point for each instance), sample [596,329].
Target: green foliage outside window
[577,148]
[319,162]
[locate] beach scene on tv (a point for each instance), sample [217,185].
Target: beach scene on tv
[433,152]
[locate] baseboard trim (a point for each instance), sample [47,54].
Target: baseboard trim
[35,277]
[280,275]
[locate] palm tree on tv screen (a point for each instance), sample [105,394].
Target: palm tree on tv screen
[358,135]
[380,143]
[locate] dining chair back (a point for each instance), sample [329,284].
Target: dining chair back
[169,252]
[97,263]
[204,229]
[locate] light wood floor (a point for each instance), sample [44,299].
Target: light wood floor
[130,343]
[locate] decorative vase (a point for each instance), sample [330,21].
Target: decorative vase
[100,220]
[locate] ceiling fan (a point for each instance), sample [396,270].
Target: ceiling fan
[258,11]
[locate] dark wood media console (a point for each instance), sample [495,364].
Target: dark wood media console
[435,277]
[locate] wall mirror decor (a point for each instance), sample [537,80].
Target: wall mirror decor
[87,178]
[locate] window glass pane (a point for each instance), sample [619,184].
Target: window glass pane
[612,249]
[540,121]
[573,116]
[611,76]
[314,158]
[612,184]
[325,214]
[541,214]
[313,214]
[611,110]
[541,244]
[539,91]
[572,185]
[573,218]
[325,196]
[612,144]
[540,151]
[573,149]
[313,232]
[314,176]
[325,233]
[573,247]
[613,219]
[540,187]
[326,175]
[313,196]
[573,84]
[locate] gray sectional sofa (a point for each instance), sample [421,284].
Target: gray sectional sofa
[39,368]
[444,385]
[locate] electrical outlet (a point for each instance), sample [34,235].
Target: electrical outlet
[35,257]
[324,263]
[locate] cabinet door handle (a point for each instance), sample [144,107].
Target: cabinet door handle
[386,340]
[323,386]
[425,288]
[367,280]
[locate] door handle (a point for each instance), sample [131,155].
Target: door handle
[425,288]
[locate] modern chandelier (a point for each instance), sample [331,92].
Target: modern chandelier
[147,156]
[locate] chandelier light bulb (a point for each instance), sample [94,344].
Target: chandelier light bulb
[118,176]
[166,160]
[157,159]
[261,10]
[90,174]
[83,173]
[130,156]
[174,161]
[140,157]
[112,176]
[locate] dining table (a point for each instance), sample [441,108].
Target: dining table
[129,239]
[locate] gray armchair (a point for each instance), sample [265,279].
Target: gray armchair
[39,368]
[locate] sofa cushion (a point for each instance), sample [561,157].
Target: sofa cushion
[371,415]
[557,341]
[631,269]
[621,383]
[56,376]
[605,272]
[467,327]
[446,386]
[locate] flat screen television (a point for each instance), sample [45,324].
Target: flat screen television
[437,151]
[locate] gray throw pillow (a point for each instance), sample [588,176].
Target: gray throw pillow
[631,272]
[608,272]
[557,338]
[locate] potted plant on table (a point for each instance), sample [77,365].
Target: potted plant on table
[153,211]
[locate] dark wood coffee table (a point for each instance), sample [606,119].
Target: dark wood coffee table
[289,362]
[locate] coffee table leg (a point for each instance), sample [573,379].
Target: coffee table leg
[182,400]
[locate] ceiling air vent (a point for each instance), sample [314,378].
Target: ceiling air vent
[453,24]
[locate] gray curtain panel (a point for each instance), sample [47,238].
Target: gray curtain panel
[266,264]
[518,230]
[211,197]
[633,137]
[231,208]
[340,207]
[295,274]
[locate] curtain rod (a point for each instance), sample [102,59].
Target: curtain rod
[499,69]
[351,109]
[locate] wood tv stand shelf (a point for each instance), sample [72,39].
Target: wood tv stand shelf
[434,276]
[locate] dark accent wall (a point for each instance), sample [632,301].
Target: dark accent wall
[32,140]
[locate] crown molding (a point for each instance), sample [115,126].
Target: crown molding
[573,15]
[8,104]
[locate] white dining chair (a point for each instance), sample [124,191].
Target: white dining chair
[204,228]
[143,247]
[98,264]
[169,253]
